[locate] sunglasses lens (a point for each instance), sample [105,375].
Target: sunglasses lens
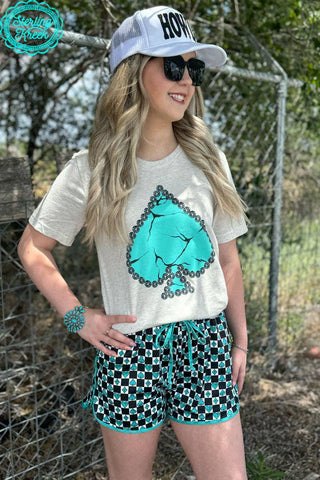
[173,69]
[196,71]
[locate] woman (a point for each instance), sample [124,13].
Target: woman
[157,198]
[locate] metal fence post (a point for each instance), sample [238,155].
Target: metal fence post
[276,220]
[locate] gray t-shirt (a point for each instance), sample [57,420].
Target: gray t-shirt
[170,272]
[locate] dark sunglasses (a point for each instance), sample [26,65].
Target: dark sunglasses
[174,68]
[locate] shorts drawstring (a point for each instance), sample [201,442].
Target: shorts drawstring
[193,330]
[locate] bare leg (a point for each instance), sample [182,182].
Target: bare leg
[215,451]
[130,456]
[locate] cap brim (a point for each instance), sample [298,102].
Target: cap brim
[212,55]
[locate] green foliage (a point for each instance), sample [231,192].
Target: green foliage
[291,325]
[289,29]
[258,470]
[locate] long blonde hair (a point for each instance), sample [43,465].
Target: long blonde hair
[120,115]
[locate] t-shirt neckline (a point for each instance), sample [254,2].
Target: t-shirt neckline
[162,162]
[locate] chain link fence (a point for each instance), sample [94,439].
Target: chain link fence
[45,372]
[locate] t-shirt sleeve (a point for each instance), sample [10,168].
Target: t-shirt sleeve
[227,228]
[61,213]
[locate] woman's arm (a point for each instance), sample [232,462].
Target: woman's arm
[235,311]
[34,250]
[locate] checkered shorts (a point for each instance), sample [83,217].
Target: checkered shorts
[181,370]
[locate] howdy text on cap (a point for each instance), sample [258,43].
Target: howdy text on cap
[174,25]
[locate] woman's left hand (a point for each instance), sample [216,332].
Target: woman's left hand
[239,360]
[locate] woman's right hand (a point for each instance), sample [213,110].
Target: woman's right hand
[98,328]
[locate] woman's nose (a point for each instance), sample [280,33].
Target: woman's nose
[186,77]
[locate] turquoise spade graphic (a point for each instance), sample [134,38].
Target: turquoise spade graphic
[169,244]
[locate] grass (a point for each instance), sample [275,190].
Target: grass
[258,470]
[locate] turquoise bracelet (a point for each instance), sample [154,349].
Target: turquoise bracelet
[74,319]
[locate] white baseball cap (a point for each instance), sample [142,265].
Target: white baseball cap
[160,32]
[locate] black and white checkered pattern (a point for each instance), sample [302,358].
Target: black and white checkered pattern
[137,390]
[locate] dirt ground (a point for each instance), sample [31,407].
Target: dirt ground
[281,408]
[280,412]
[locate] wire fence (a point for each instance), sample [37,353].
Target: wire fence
[45,372]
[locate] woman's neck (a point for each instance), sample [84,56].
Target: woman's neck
[156,142]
